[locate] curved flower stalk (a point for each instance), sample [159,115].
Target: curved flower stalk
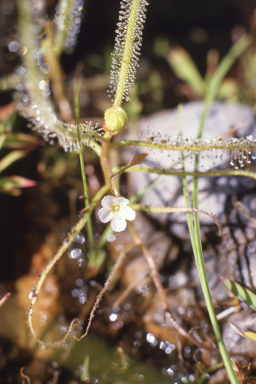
[145,208]
[40,112]
[239,152]
[67,21]
[35,291]
[213,173]
[189,144]
[35,104]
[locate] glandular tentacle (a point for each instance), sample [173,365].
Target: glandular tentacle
[127,49]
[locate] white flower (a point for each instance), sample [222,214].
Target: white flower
[115,209]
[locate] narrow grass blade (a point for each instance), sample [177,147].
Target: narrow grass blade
[244,294]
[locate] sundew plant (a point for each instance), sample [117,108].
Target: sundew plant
[43,102]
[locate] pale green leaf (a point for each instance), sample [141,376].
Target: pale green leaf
[21,140]
[12,184]
[247,335]
[242,293]
[11,158]
[185,68]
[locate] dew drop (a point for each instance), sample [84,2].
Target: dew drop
[170,372]
[13,46]
[45,68]
[80,239]
[21,71]
[75,292]
[111,238]
[43,85]
[75,253]
[81,262]
[32,294]
[63,329]
[79,282]
[113,317]
[20,87]
[151,339]
[82,298]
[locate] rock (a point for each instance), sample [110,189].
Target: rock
[213,192]
[229,257]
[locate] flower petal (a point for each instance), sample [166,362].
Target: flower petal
[128,213]
[107,201]
[122,201]
[118,223]
[105,215]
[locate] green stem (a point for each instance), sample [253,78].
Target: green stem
[205,287]
[146,208]
[85,186]
[27,40]
[199,258]
[104,160]
[197,249]
[105,165]
[61,33]
[65,132]
[211,145]
[189,215]
[128,52]
[203,378]
[211,93]
[194,231]
[230,172]
[104,238]
[56,75]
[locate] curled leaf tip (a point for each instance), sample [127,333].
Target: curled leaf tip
[115,120]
